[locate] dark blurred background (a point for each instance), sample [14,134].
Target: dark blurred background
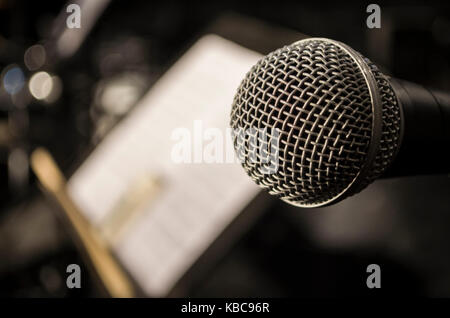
[401,224]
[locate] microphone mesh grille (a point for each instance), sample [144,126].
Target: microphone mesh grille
[315,95]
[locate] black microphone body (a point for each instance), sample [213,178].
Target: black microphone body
[425,145]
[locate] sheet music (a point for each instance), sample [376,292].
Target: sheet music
[194,202]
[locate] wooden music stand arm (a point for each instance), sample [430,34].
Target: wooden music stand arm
[108,270]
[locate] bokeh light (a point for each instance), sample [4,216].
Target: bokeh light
[41,85]
[13,80]
[35,57]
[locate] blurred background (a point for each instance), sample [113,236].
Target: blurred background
[67,100]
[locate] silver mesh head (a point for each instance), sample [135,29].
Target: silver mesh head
[331,118]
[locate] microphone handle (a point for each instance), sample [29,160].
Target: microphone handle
[425,146]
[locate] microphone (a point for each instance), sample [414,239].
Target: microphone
[335,122]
